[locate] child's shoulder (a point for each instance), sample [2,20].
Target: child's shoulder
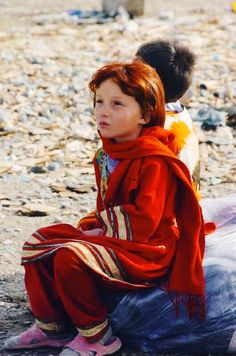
[178,118]
[182,126]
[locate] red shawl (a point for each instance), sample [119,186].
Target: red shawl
[186,278]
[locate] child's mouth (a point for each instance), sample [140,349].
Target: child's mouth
[103,124]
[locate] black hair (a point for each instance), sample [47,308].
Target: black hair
[173,62]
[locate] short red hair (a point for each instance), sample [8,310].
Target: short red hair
[140,81]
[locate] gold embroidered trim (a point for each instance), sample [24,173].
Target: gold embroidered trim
[50,326]
[88,257]
[104,217]
[112,266]
[121,223]
[93,331]
[30,253]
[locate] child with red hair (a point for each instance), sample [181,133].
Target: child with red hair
[147,229]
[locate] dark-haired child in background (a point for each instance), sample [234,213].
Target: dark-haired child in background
[174,64]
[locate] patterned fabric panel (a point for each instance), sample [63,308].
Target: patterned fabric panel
[101,259]
[101,159]
[116,222]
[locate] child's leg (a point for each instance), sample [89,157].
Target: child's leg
[69,282]
[78,288]
[66,283]
[44,300]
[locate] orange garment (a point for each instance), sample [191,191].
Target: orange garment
[152,221]
[180,123]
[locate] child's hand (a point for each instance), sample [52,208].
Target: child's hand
[93,232]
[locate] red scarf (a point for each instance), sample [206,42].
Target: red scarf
[186,278]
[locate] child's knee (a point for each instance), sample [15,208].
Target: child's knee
[65,262]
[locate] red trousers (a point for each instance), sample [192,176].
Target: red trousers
[61,287]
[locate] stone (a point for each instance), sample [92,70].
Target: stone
[134,7]
[36,210]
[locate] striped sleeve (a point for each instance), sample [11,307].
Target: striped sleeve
[89,222]
[116,222]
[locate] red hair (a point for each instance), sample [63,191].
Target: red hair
[140,81]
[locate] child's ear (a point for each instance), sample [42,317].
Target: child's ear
[144,120]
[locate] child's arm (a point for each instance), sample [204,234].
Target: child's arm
[88,222]
[93,232]
[138,221]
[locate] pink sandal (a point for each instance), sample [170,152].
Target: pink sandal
[32,338]
[80,346]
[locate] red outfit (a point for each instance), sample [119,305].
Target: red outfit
[152,222]
[63,287]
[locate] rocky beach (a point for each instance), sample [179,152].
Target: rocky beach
[48,52]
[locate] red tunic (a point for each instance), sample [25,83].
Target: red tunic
[154,231]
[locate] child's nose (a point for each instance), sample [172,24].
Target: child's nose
[105,110]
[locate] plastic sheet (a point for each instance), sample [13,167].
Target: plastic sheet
[146,319]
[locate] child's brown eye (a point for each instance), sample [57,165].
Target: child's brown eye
[117,103]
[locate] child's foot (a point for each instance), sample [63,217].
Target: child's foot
[81,347]
[32,338]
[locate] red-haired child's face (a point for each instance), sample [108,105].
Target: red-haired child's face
[118,115]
